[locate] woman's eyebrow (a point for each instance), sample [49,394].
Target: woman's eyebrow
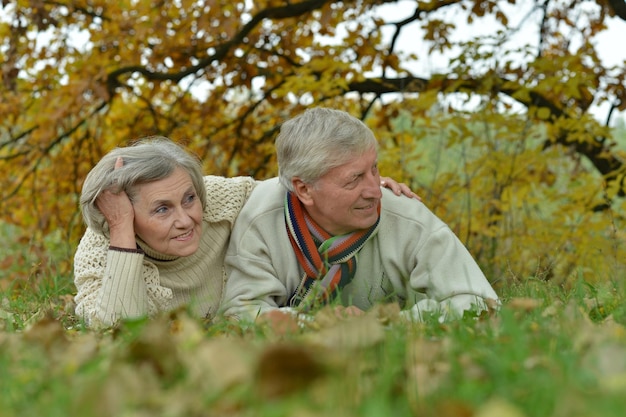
[161,202]
[165,201]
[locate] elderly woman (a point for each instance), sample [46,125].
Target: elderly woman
[157,233]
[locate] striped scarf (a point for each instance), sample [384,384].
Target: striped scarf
[329,262]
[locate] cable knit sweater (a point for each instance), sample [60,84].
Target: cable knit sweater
[114,284]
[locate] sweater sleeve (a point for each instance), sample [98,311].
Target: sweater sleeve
[226,197]
[261,266]
[110,284]
[450,276]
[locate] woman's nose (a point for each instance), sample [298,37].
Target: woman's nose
[183,218]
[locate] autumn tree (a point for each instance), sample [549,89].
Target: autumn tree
[81,77]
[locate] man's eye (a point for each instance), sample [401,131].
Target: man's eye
[354,181]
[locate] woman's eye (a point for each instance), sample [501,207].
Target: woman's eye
[190,198]
[161,210]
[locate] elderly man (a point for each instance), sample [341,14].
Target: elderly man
[325,231]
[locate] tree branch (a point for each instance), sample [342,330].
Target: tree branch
[605,162]
[279,12]
[618,7]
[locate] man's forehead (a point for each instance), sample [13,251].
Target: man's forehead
[356,165]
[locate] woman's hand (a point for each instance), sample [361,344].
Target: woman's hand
[118,211]
[398,188]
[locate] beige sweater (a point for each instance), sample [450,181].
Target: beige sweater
[114,284]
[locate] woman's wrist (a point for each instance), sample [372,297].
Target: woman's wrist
[127,250]
[124,239]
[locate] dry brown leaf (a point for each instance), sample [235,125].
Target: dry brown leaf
[328,316]
[155,347]
[125,384]
[186,331]
[348,334]
[280,323]
[386,313]
[553,309]
[614,383]
[471,370]
[286,368]
[498,407]
[607,360]
[47,332]
[452,408]
[524,303]
[426,369]
[219,364]
[80,351]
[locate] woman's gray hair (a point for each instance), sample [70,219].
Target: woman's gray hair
[318,140]
[149,159]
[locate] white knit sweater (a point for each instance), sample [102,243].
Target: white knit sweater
[114,284]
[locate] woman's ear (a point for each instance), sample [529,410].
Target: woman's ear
[302,190]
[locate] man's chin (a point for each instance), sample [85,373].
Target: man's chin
[367,223]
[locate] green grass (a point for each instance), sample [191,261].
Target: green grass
[550,351]
[547,357]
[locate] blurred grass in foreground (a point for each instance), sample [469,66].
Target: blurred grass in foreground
[551,351]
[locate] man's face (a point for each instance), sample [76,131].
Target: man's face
[346,198]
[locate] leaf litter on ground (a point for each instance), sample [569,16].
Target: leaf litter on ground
[344,362]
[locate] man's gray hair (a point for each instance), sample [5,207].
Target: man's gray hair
[318,140]
[149,159]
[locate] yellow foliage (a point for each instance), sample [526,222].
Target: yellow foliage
[221,76]
[522,210]
[543,113]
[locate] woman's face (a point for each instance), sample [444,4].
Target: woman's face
[168,214]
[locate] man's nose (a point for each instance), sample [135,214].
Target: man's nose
[372,188]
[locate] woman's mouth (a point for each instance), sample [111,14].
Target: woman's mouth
[184,236]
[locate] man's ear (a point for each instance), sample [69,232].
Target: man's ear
[302,190]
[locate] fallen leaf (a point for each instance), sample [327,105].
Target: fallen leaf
[426,368]
[125,384]
[286,368]
[387,313]
[154,346]
[524,303]
[47,332]
[219,364]
[279,322]
[498,407]
[352,333]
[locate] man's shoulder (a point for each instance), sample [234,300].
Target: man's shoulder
[404,209]
[267,197]
[265,207]
[268,193]
[400,204]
